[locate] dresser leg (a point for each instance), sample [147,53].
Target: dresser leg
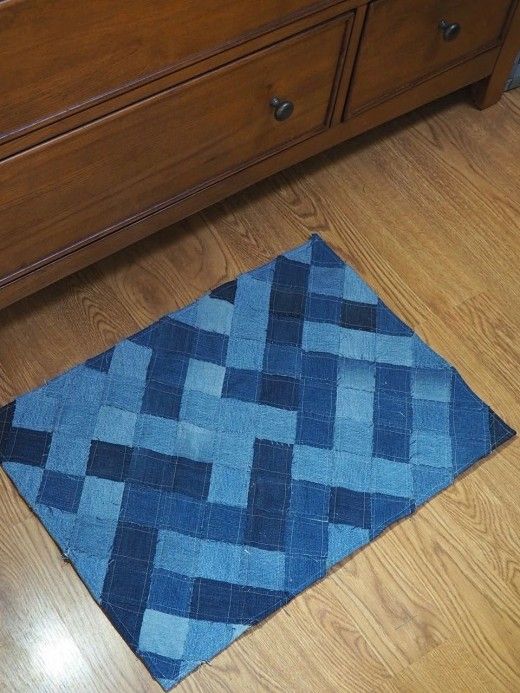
[488,92]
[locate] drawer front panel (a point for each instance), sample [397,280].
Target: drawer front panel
[133,162]
[61,55]
[405,41]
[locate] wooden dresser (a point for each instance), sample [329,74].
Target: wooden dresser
[119,117]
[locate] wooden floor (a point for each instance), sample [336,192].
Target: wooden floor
[427,209]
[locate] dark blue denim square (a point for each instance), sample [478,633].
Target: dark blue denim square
[162,400]
[265,532]
[290,274]
[135,542]
[167,368]
[272,457]
[310,500]
[392,445]
[324,308]
[386,509]
[349,507]
[109,461]
[317,365]
[26,446]
[180,513]
[192,478]
[241,384]
[61,491]
[269,494]
[212,347]
[102,362]
[388,323]
[160,666]
[225,292]
[322,255]
[170,592]
[315,432]
[392,410]
[283,329]
[318,400]
[126,584]
[287,302]
[396,378]
[141,504]
[211,600]
[358,316]
[152,469]
[306,536]
[280,391]
[173,336]
[223,523]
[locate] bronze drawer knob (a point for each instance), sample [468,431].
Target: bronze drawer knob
[283,109]
[450,30]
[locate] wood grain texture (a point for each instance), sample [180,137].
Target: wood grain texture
[426,209]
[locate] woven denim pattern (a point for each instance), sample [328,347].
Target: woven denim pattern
[204,471]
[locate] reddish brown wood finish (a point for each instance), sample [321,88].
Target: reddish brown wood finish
[204,131]
[488,92]
[61,266]
[128,165]
[63,56]
[403,44]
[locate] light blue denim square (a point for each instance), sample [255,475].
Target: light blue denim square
[394,349]
[247,354]
[91,569]
[237,416]
[84,386]
[357,344]
[353,436]
[101,498]
[359,375]
[229,485]
[194,442]
[344,540]
[177,552]
[214,315]
[234,449]
[206,377]
[115,426]
[218,560]
[198,408]
[94,536]
[276,424]
[68,454]
[329,281]
[163,634]
[391,478]
[432,383]
[27,479]
[351,471]
[312,464]
[321,337]
[36,411]
[429,415]
[130,360]
[251,312]
[424,356]
[207,638]
[156,433]
[429,480]
[430,449]
[262,568]
[355,289]
[357,405]
[77,421]
[124,393]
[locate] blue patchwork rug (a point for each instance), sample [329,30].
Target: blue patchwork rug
[203,472]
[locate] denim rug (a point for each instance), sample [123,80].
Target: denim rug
[203,472]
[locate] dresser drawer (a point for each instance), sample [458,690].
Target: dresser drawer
[405,41]
[60,56]
[129,164]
